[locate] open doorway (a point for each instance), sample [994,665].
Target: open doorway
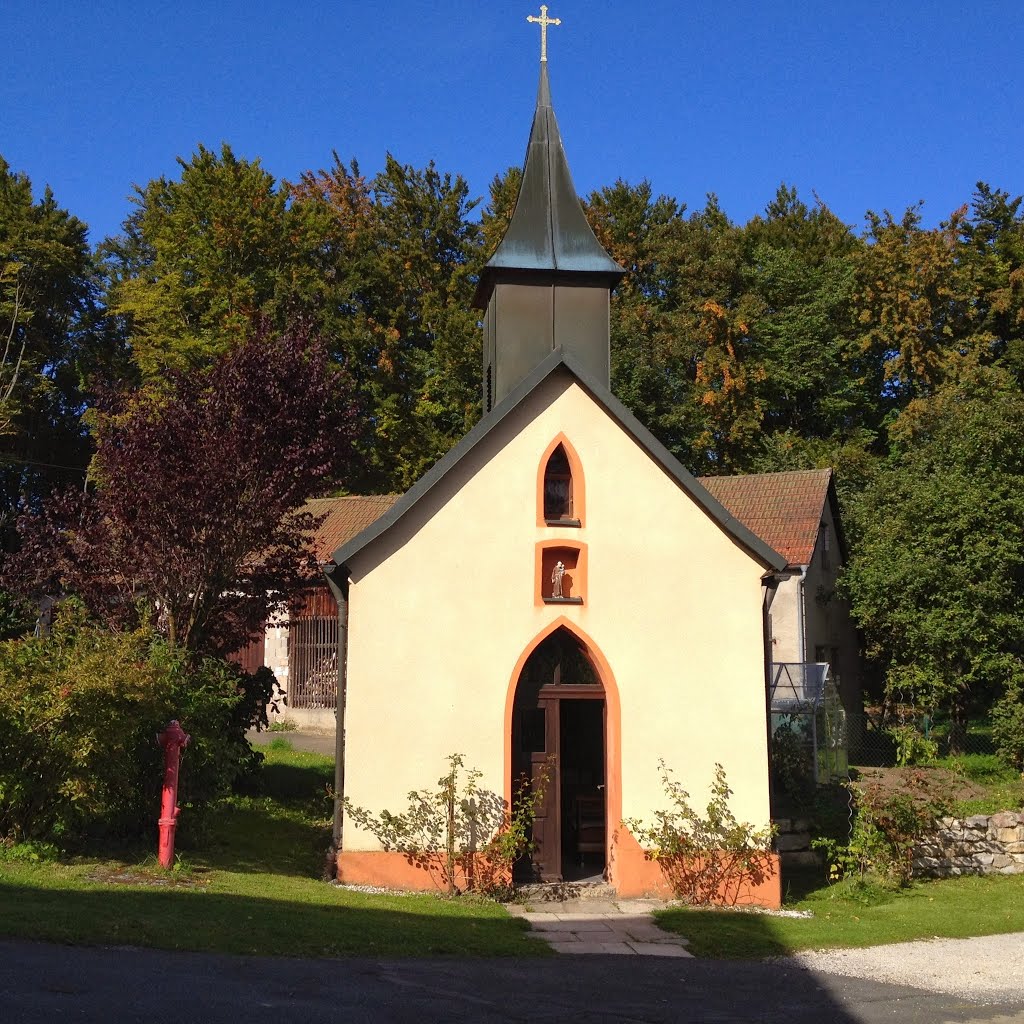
[583,789]
[558,741]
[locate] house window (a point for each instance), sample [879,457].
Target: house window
[558,487]
[826,547]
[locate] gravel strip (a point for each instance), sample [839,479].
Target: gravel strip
[989,969]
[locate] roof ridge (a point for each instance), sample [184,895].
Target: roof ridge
[558,358]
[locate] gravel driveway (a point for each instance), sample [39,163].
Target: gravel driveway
[981,970]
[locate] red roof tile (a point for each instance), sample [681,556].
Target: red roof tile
[783,509]
[344,518]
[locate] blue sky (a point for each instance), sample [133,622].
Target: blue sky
[867,104]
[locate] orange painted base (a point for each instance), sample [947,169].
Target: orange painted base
[395,871]
[630,872]
[633,874]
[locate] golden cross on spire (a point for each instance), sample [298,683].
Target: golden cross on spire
[543,21]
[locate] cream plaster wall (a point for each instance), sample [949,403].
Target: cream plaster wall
[443,605]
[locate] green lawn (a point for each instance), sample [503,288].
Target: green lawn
[251,885]
[951,908]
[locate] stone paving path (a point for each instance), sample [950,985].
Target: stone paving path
[592,926]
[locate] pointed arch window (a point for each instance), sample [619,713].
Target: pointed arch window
[559,660]
[558,490]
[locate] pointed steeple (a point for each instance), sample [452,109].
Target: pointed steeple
[548,283]
[548,230]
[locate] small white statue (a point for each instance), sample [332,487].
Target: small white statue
[556,578]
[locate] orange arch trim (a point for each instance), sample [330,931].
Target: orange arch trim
[579,504]
[613,723]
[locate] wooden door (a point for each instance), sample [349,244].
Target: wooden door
[537,742]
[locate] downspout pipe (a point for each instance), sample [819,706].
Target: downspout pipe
[337,580]
[770,585]
[801,619]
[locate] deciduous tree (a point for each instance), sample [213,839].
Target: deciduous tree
[51,341]
[194,523]
[936,580]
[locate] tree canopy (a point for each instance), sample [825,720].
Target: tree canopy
[195,524]
[893,352]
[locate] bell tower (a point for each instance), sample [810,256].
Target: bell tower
[549,282]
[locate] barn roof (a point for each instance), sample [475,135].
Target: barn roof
[344,518]
[783,509]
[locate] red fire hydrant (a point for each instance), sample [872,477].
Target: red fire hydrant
[173,739]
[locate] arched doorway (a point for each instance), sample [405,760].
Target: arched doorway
[559,732]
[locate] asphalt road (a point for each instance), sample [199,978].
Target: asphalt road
[42,983]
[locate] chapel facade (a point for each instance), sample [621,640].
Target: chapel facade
[558,599]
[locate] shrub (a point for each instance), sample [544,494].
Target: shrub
[887,825]
[79,714]
[1008,726]
[911,746]
[789,757]
[710,858]
[464,837]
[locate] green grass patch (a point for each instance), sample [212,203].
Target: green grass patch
[1003,787]
[848,915]
[249,885]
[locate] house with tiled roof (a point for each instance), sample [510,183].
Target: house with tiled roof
[797,514]
[300,647]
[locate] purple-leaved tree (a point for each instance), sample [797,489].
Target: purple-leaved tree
[195,519]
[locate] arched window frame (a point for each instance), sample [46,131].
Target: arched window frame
[577,486]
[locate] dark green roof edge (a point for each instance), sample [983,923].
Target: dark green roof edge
[551,364]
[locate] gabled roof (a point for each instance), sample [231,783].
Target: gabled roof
[561,361]
[548,231]
[344,518]
[783,509]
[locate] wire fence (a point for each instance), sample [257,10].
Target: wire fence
[896,734]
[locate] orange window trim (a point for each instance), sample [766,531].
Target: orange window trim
[575,468]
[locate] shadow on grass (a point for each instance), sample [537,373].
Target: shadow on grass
[292,783]
[282,826]
[799,881]
[328,923]
[257,836]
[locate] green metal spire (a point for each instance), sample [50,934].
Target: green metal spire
[548,231]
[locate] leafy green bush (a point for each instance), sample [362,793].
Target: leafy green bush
[912,747]
[79,714]
[17,616]
[465,837]
[887,825]
[789,757]
[1008,726]
[709,858]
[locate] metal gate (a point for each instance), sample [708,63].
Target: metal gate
[313,652]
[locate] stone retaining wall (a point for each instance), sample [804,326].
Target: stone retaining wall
[984,844]
[793,842]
